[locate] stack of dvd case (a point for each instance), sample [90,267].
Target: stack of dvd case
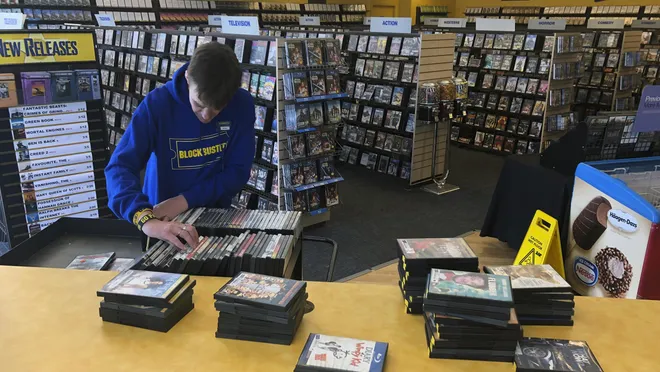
[144,299]
[260,308]
[541,295]
[470,316]
[330,353]
[543,354]
[418,256]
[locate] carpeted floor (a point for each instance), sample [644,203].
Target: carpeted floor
[377,209]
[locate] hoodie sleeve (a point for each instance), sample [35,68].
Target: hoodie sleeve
[238,161]
[122,173]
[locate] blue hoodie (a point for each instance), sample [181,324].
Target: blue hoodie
[206,163]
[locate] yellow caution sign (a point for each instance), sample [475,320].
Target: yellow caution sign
[541,244]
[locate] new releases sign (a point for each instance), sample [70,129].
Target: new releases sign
[240,25]
[399,25]
[309,21]
[648,110]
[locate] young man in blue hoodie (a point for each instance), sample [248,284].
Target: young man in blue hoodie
[195,135]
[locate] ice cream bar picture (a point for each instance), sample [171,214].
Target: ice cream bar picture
[36,88]
[591,223]
[8,97]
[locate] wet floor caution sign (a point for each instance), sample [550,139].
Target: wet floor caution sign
[541,244]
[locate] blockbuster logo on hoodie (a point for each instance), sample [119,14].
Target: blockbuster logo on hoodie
[195,153]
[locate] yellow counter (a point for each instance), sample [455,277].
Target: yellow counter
[49,321]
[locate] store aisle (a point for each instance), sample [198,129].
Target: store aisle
[376,209]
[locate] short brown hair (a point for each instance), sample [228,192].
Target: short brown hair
[215,71]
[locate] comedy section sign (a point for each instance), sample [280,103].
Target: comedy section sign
[648,111]
[45,48]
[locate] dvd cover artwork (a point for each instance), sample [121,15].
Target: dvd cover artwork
[555,355]
[317,80]
[36,88]
[342,354]
[332,82]
[297,146]
[258,52]
[301,116]
[63,86]
[294,54]
[272,54]
[8,94]
[470,285]
[256,288]
[314,52]
[260,115]
[332,52]
[314,199]
[299,201]
[331,190]
[316,114]
[300,84]
[266,87]
[310,172]
[314,144]
[333,112]
[287,81]
[239,49]
[254,84]
[92,262]
[144,283]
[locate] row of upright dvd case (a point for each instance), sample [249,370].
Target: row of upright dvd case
[234,240]
[509,77]
[134,62]
[610,73]
[53,144]
[310,113]
[380,75]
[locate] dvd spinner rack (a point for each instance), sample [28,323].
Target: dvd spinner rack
[233,240]
[509,78]
[611,60]
[610,136]
[134,62]
[310,111]
[52,134]
[379,110]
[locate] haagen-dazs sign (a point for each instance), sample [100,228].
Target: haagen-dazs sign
[622,221]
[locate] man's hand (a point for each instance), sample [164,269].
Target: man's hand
[170,208]
[171,231]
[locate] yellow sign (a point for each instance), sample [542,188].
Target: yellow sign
[541,244]
[46,48]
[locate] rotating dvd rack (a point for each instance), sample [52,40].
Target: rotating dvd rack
[611,60]
[53,145]
[381,74]
[134,62]
[309,112]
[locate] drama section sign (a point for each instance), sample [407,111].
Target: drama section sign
[46,48]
